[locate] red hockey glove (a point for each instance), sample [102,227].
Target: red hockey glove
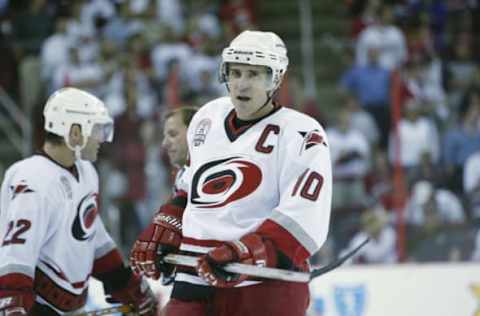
[137,293]
[14,306]
[16,294]
[160,238]
[250,249]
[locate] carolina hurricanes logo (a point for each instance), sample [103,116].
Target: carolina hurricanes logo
[311,139]
[86,213]
[221,182]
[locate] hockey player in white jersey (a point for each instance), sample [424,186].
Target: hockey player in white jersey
[52,238]
[259,193]
[175,127]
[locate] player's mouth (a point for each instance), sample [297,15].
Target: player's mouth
[243,98]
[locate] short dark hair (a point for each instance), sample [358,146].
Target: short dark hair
[186,113]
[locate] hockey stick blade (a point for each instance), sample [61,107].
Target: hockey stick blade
[107,311]
[335,264]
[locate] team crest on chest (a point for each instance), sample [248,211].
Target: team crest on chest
[201,132]
[87,210]
[220,182]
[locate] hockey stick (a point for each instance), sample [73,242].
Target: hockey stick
[269,273]
[334,264]
[107,311]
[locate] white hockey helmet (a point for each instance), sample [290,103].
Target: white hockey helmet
[69,106]
[257,48]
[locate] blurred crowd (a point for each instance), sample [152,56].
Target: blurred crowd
[406,141]
[141,58]
[406,135]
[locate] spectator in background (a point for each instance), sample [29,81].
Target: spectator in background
[462,140]
[430,207]
[8,66]
[350,154]
[370,83]
[138,51]
[436,224]
[362,15]
[460,71]
[129,157]
[78,73]
[362,121]
[383,238]
[418,137]
[471,184]
[170,48]
[82,34]
[120,27]
[30,27]
[237,16]
[476,249]
[383,35]
[95,13]
[378,182]
[204,24]
[55,52]
[171,14]
[422,80]
[129,73]
[202,75]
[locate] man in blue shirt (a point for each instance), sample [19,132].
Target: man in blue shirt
[371,85]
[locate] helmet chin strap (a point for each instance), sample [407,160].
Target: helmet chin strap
[269,98]
[77,149]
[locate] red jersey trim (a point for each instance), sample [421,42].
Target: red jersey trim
[15,281]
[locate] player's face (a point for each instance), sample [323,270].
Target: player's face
[175,140]
[248,84]
[90,151]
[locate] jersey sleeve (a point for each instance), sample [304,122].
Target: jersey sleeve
[27,221]
[299,224]
[108,266]
[103,241]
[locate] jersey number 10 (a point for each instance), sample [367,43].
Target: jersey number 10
[311,187]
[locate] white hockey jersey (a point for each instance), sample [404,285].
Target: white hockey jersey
[49,225]
[272,176]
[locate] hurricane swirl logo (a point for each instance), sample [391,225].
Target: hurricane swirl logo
[220,182]
[87,210]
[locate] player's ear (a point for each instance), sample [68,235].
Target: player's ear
[75,135]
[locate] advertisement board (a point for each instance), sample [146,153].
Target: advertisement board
[398,290]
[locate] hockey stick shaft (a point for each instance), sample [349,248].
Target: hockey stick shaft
[251,270]
[269,273]
[107,311]
[335,264]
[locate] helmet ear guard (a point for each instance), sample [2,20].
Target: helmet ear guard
[257,48]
